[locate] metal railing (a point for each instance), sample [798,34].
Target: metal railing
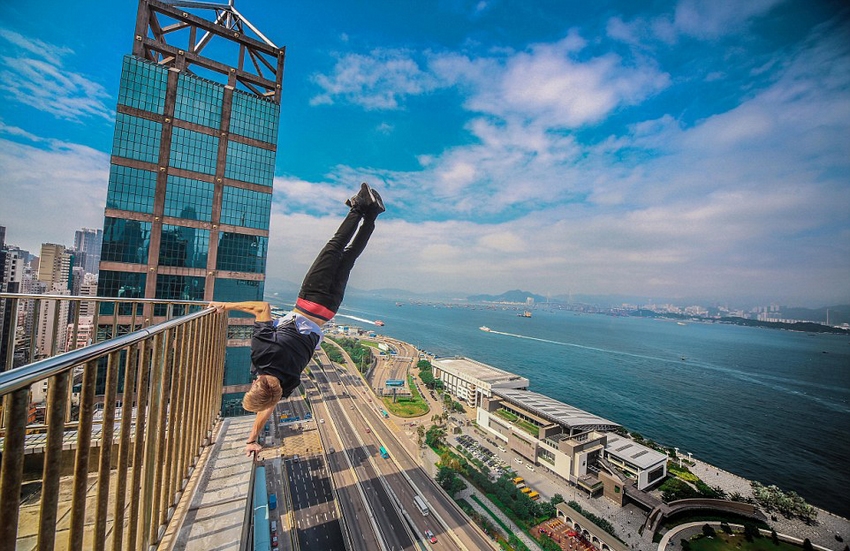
[158,394]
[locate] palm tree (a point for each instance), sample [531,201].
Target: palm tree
[420,432]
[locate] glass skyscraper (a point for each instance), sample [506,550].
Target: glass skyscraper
[192,166]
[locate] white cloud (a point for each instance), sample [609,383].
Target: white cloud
[51,191]
[33,74]
[713,18]
[751,201]
[380,80]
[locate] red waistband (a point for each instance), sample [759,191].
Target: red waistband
[314,309]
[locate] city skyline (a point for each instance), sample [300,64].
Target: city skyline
[696,149]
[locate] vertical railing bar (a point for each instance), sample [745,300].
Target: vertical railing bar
[56,398]
[161,460]
[139,444]
[115,313]
[106,434]
[95,321]
[194,383]
[185,427]
[10,341]
[211,373]
[36,322]
[188,393]
[203,414]
[124,445]
[12,467]
[76,331]
[180,429]
[81,463]
[174,419]
[149,531]
[56,304]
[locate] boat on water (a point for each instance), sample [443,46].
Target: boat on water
[681,323]
[379,323]
[526,314]
[484,328]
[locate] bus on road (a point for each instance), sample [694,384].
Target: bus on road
[384,453]
[420,503]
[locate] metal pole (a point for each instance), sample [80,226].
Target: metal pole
[57,396]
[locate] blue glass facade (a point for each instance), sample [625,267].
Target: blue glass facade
[177,194]
[189,199]
[131,189]
[246,208]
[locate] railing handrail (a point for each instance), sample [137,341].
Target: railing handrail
[95,298]
[24,376]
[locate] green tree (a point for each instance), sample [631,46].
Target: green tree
[686,545]
[708,531]
[556,499]
[423,364]
[807,545]
[449,481]
[420,433]
[434,436]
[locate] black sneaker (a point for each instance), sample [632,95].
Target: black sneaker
[378,203]
[362,200]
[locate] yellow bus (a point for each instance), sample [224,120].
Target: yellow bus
[526,490]
[518,479]
[534,495]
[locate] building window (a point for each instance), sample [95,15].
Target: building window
[143,85]
[120,285]
[247,163]
[183,247]
[136,138]
[253,117]
[237,290]
[245,208]
[193,151]
[125,241]
[131,189]
[198,101]
[176,287]
[241,253]
[188,198]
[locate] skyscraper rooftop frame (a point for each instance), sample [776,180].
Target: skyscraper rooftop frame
[257,67]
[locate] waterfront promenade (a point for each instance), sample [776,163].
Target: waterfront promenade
[627,520]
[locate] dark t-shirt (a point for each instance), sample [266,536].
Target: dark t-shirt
[282,351]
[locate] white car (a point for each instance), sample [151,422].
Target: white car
[529,467]
[517,460]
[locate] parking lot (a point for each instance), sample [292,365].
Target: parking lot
[497,466]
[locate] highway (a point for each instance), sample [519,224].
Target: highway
[360,454]
[354,403]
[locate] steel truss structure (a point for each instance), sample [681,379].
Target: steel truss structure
[257,66]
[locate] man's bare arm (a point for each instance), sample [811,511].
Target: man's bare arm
[259,309]
[251,445]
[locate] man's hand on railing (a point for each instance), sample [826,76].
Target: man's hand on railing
[219,306]
[252,448]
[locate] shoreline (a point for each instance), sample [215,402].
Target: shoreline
[821,533]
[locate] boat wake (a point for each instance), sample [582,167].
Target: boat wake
[689,364]
[355,318]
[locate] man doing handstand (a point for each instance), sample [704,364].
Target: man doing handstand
[281,349]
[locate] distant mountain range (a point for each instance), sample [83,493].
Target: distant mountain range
[516,295]
[288,290]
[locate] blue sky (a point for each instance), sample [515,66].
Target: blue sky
[652,149]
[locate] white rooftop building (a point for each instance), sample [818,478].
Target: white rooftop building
[468,380]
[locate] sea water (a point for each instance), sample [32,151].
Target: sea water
[768,405]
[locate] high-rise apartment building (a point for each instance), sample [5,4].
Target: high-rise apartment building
[87,244]
[192,167]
